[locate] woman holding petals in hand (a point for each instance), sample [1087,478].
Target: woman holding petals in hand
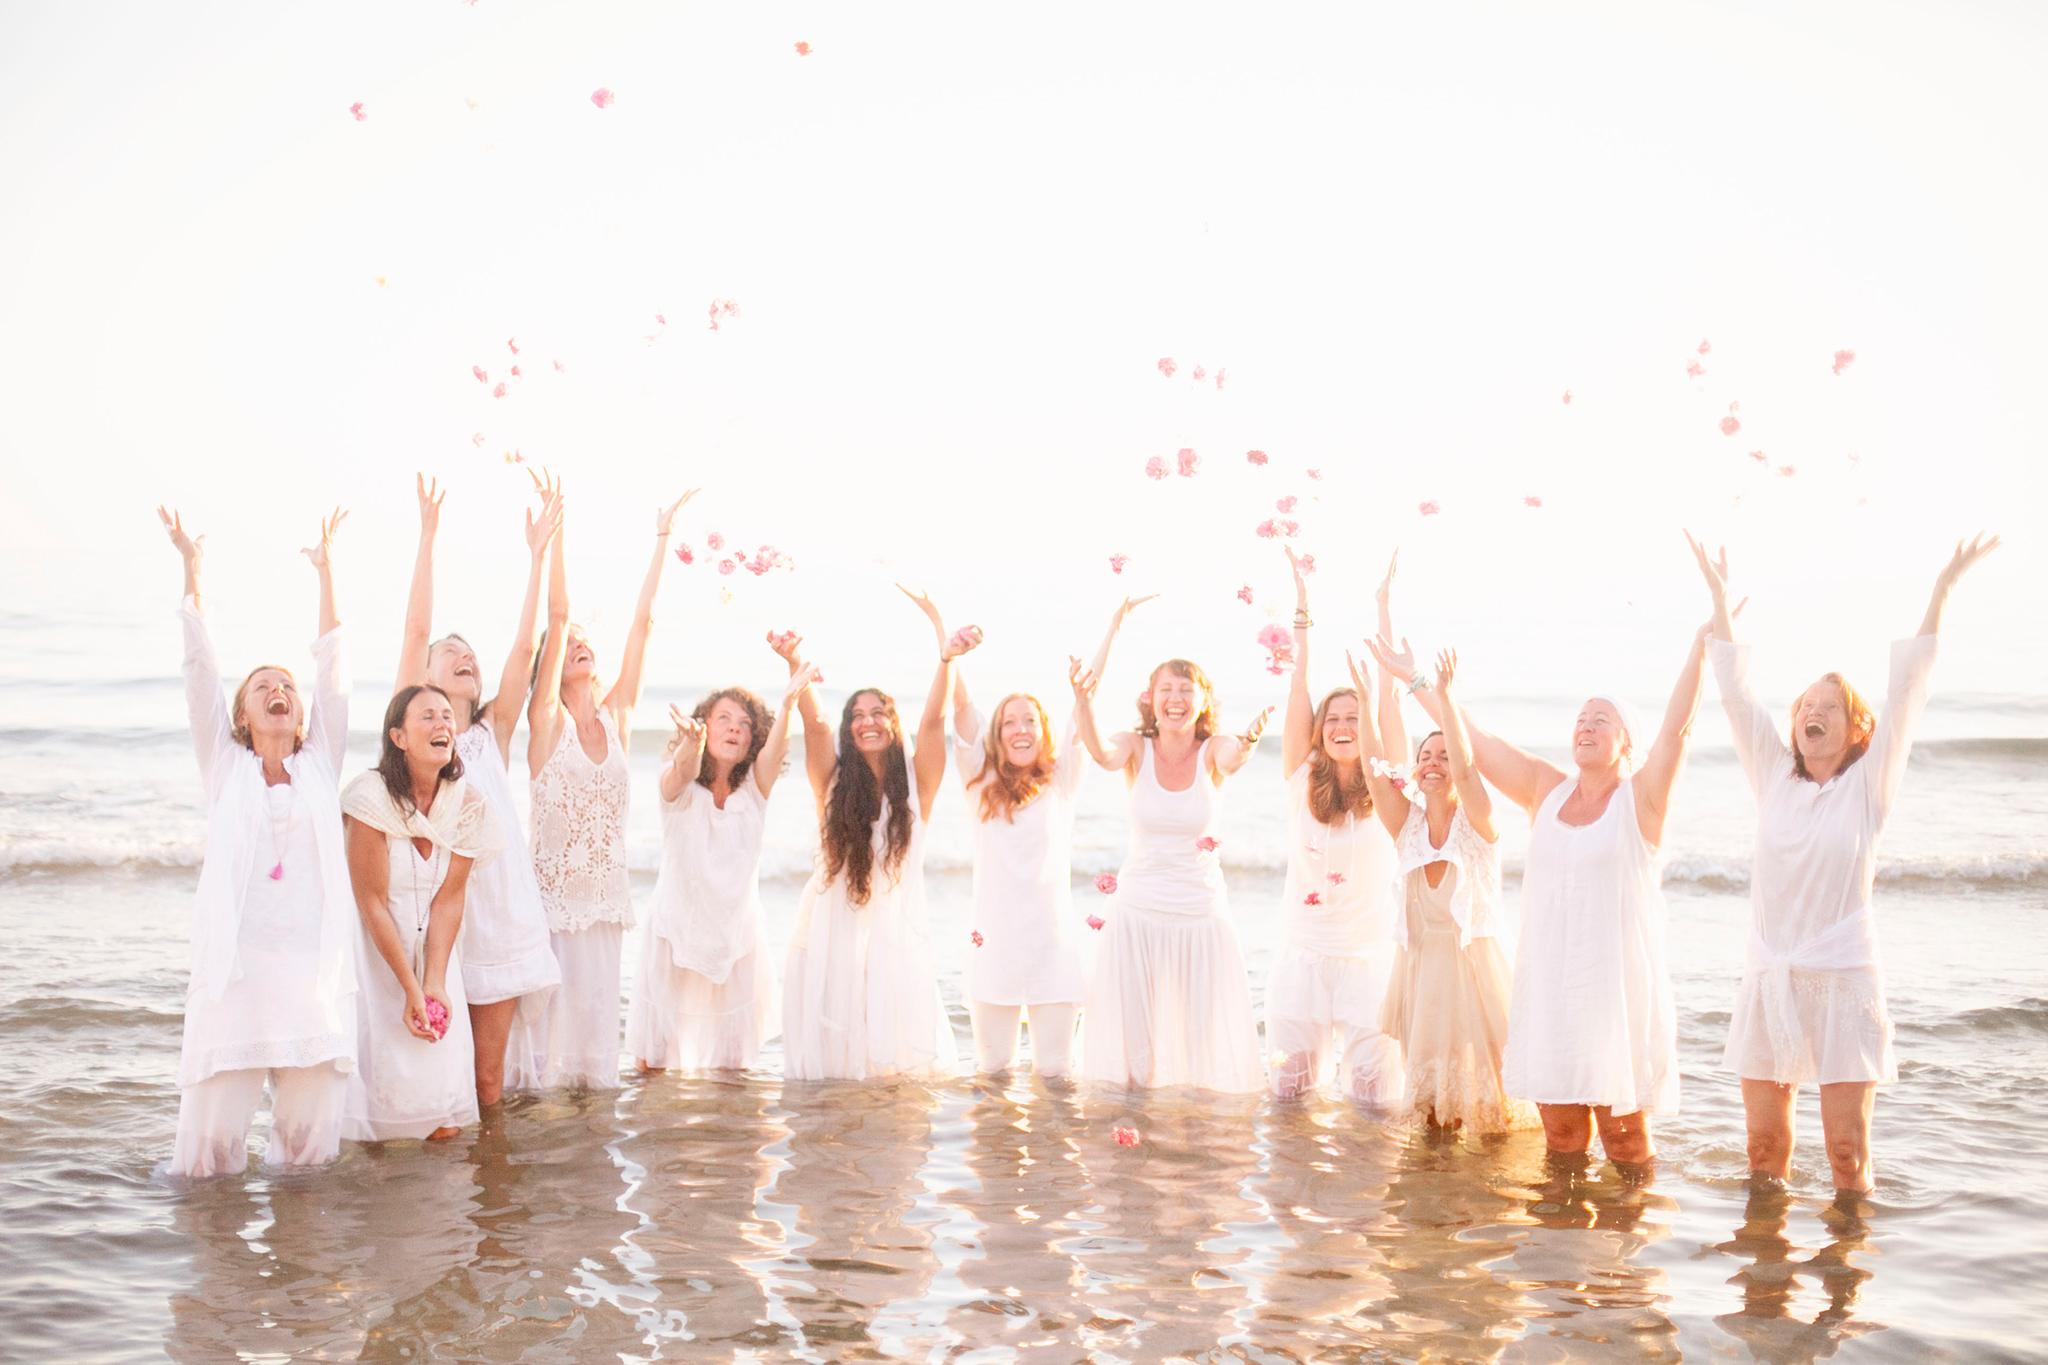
[1020,797]
[860,995]
[1329,976]
[576,750]
[1592,1030]
[508,967]
[706,994]
[1811,1006]
[415,828]
[272,994]
[1448,1002]
[1169,1003]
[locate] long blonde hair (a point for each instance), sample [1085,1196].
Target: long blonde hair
[1005,786]
[1205,719]
[1330,796]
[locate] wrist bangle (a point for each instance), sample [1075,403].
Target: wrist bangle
[1417,685]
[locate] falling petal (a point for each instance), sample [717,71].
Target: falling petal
[1705,346]
[1106,883]
[1532,500]
[277,872]
[803,49]
[1729,425]
[357,110]
[1255,456]
[559,367]
[1190,463]
[1336,879]
[477,439]
[1096,921]
[974,937]
[1206,844]
[1306,563]
[1244,594]
[1567,395]
[382,281]
[1198,374]
[499,391]
[726,566]
[515,371]
[512,344]
[1289,528]
[1312,898]
[1285,504]
[1428,509]
[714,541]
[1117,562]
[1693,369]
[1315,474]
[481,376]
[1155,468]
[1166,366]
[661,319]
[602,97]
[1759,456]
[1843,360]
[1786,471]
[1267,529]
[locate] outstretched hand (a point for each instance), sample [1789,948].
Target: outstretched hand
[1399,662]
[542,526]
[664,520]
[1357,671]
[190,547]
[786,643]
[1446,669]
[322,554]
[1967,553]
[1131,604]
[430,493]
[1714,570]
[1386,588]
[689,730]
[1081,678]
[802,676]
[1251,734]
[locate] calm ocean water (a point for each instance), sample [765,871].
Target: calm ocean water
[741,1217]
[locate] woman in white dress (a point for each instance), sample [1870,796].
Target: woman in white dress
[1811,1006]
[860,991]
[576,750]
[1448,1001]
[273,986]
[705,999]
[1328,981]
[1020,798]
[413,828]
[508,969]
[1592,1030]
[1169,1004]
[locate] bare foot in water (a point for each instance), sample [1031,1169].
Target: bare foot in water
[443,1134]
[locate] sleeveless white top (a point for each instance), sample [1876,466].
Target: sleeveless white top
[504,927]
[707,896]
[1166,870]
[1349,868]
[1029,953]
[579,832]
[1592,1019]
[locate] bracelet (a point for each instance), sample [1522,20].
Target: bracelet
[1302,620]
[1418,685]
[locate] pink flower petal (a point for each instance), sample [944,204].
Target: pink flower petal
[1155,468]
[1706,347]
[1336,879]
[477,439]
[714,541]
[726,566]
[1316,474]
[1759,457]
[1244,594]
[277,872]
[357,110]
[1198,374]
[482,377]
[1312,898]
[1206,844]
[1096,921]
[1693,369]
[1786,471]
[512,343]
[1306,563]
[499,391]
[1729,425]
[1117,562]
[1166,366]
[1286,504]
[1219,378]
[1274,636]
[1289,528]
[515,371]
[1190,463]
[1267,529]
[684,553]
[661,319]
[559,367]
[974,937]
[602,97]
[1567,395]
[1106,884]
[1255,456]
[1125,1137]
[1843,360]
[1532,501]
[803,49]
[1428,509]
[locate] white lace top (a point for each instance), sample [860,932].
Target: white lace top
[579,833]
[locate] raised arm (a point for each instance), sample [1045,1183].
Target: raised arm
[1967,553]
[1473,798]
[1297,728]
[1659,773]
[821,745]
[544,707]
[1393,730]
[419,600]
[625,693]
[504,705]
[685,759]
[1758,747]
[1231,752]
[929,757]
[1912,669]
[1388,800]
[768,763]
[327,714]
[205,705]
[369,874]
[1521,776]
[966,720]
[1122,745]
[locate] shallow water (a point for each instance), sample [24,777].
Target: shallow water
[697,1218]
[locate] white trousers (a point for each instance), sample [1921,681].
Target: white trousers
[1052,1036]
[214,1115]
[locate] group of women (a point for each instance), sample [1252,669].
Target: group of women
[393,953]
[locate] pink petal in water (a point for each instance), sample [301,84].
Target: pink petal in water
[1125,1137]
[1759,457]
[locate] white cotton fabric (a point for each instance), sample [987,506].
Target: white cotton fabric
[1592,1019]
[1475,896]
[403,1086]
[705,997]
[579,832]
[575,1042]
[1811,1004]
[273,961]
[1169,1004]
[1052,1036]
[1329,975]
[1030,950]
[505,952]
[214,1115]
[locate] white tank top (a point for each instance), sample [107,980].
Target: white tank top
[1166,868]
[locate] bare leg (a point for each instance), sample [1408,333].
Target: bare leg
[305,1115]
[1625,1137]
[1768,1107]
[1295,1074]
[995,1034]
[1567,1128]
[1052,1039]
[490,1025]
[443,1134]
[1845,1109]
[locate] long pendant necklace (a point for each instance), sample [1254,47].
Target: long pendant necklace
[277,840]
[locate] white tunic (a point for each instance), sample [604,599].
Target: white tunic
[1811,1004]
[505,953]
[860,992]
[273,968]
[1169,1003]
[1592,1019]
[1029,952]
[406,1087]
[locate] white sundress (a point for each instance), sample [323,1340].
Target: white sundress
[1591,1019]
[1169,1003]
[705,997]
[505,951]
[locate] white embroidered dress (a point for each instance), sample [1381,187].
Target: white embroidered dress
[705,997]
[1169,1003]
[1811,1005]
[1592,1019]
[505,951]
[1329,975]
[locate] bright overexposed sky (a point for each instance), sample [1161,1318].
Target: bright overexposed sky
[960,237]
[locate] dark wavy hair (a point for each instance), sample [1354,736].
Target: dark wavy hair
[855,799]
[391,764]
[758,716]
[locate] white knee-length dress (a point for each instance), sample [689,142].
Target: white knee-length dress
[505,950]
[1169,1003]
[1591,1020]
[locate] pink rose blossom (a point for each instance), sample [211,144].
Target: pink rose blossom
[1290,528]
[1166,366]
[357,110]
[1117,562]
[1106,884]
[1255,456]
[1125,1137]
[1206,844]
[1273,636]
[602,97]
[437,1017]
[1155,468]
[726,566]
[1190,463]
[1267,529]
[1095,921]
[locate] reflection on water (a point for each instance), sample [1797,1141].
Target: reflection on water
[997,1219]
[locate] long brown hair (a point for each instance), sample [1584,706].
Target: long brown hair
[1862,726]
[759,718]
[855,799]
[1205,719]
[1004,786]
[391,765]
[1330,796]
